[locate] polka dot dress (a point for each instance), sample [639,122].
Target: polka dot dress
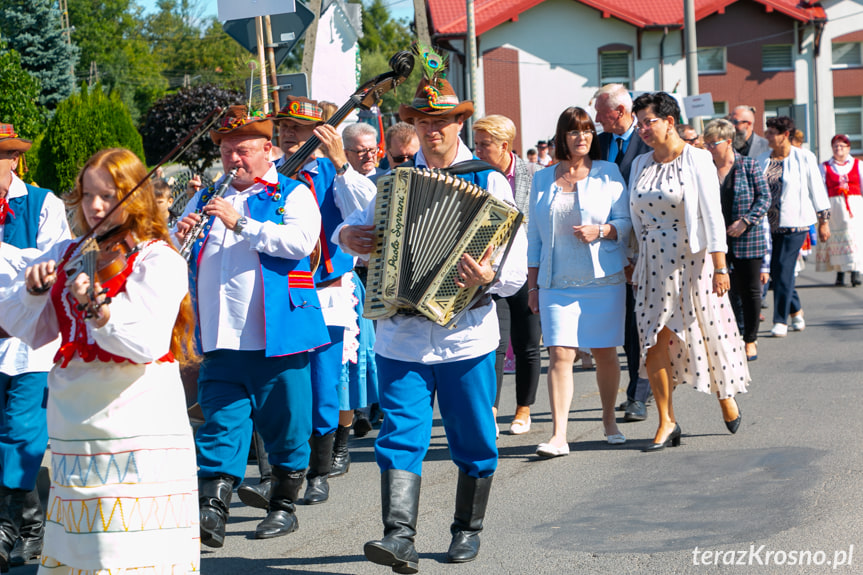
[675,290]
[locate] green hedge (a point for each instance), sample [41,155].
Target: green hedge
[83,124]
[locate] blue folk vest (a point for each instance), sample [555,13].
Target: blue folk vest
[477,178]
[22,229]
[331,217]
[292,311]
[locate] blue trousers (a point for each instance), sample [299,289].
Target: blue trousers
[236,388]
[327,373]
[23,428]
[782,262]
[465,391]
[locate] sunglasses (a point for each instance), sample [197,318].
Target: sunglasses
[402,159]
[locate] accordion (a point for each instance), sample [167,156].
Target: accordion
[424,221]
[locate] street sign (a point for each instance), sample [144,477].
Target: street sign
[289,85]
[287,31]
[242,9]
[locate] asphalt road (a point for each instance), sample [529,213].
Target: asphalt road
[782,496]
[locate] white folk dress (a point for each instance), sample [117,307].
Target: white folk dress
[675,290]
[123,474]
[843,252]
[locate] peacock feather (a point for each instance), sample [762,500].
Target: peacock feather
[433,64]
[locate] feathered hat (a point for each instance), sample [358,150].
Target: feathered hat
[434,96]
[239,121]
[301,110]
[10,141]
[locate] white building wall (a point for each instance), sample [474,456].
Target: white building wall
[559,65]
[334,71]
[843,16]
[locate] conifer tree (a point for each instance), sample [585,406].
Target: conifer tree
[34,29]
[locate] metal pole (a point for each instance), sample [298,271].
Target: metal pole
[262,64]
[470,64]
[691,47]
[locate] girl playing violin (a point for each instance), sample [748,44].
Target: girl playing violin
[123,486]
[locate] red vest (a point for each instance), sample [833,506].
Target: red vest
[73,329]
[847,185]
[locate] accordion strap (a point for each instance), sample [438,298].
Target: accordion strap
[469,167]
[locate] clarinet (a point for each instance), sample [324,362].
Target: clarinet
[204,222]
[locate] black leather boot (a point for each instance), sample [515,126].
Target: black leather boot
[400,500]
[281,519]
[341,455]
[361,424]
[11,501]
[471,499]
[214,496]
[29,543]
[320,464]
[258,495]
[855,279]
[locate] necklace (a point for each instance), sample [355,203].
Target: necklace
[564,173]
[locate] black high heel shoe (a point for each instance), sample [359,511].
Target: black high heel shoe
[734,425]
[673,439]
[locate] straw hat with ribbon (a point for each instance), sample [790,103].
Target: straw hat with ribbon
[435,96]
[238,121]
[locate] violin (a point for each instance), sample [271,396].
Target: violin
[102,259]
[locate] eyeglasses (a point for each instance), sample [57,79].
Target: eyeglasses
[402,159]
[576,134]
[647,123]
[364,151]
[690,140]
[712,145]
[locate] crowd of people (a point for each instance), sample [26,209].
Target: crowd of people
[644,235]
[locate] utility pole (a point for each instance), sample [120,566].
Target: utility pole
[421,22]
[67,30]
[691,51]
[470,65]
[309,47]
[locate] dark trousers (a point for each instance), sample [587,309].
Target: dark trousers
[519,323]
[782,262]
[746,295]
[639,387]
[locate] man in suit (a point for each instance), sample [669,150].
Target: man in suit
[746,141]
[620,143]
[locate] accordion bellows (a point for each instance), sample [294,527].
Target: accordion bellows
[425,220]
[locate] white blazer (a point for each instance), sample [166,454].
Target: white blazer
[705,224]
[803,191]
[602,199]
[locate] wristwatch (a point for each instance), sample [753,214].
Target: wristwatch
[723,271]
[342,169]
[240,225]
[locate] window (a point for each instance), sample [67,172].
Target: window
[720,110]
[847,54]
[848,112]
[775,57]
[711,60]
[614,68]
[770,107]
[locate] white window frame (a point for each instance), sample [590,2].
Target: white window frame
[840,66]
[720,110]
[625,80]
[838,109]
[768,47]
[704,51]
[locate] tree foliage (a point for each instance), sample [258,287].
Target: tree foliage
[34,29]
[194,50]
[115,51]
[19,93]
[83,124]
[382,37]
[175,115]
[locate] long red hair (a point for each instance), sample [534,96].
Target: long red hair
[143,220]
